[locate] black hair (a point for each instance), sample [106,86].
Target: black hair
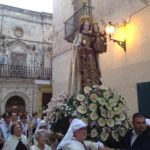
[137,115]
[23,117]
[6,114]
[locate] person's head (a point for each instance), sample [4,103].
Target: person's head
[36,114]
[80,134]
[40,136]
[76,129]
[42,125]
[85,26]
[44,116]
[13,117]
[7,117]
[95,27]
[16,129]
[79,129]
[139,123]
[23,119]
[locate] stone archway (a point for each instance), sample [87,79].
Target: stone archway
[26,99]
[15,104]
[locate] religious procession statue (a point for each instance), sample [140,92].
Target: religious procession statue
[88,43]
[101,108]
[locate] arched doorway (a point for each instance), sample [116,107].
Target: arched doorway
[15,104]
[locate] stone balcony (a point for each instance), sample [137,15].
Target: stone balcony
[25,72]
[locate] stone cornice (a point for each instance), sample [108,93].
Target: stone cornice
[46,18]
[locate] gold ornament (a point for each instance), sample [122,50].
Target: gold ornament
[85,18]
[95,23]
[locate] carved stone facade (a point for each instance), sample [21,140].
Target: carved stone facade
[25,42]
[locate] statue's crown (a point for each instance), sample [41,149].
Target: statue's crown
[94,22]
[85,18]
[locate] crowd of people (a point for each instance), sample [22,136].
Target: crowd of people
[24,132]
[33,133]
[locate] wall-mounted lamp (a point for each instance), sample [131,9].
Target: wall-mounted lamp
[110,30]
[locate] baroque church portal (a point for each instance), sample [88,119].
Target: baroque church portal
[25,59]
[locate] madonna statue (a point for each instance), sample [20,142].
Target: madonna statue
[84,67]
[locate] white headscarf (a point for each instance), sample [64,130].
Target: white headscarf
[42,123]
[75,125]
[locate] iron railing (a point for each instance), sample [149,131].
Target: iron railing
[73,23]
[24,72]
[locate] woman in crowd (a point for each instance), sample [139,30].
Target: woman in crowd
[43,125]
[40,136]
[16,141]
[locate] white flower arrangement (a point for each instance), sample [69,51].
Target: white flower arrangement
[56,106]
[101,108]
[105,112]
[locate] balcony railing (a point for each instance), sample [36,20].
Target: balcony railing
[73,23]
[24,72]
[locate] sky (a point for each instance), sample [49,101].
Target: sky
[35,5]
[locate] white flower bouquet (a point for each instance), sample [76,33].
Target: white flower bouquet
[104,111]
[101,108]
[57,106]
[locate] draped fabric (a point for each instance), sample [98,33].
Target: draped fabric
[21,146]
[85,145]
[12,143]
[74,77]
[88,67]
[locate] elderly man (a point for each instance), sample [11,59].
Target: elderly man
[137,138]
[75,138]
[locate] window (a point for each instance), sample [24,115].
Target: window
[143,92]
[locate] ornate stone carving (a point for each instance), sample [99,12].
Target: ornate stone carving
[18,32]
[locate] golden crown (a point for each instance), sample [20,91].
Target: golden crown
[85,18]
[94,22]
